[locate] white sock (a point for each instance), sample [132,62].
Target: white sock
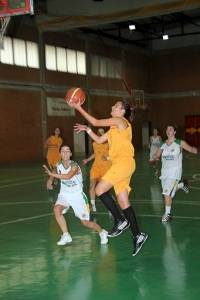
[167,209]
[180,186]
[92,202]
[66,233]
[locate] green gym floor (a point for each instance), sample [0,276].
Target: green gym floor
[32,266]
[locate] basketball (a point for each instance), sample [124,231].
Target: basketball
[75,95]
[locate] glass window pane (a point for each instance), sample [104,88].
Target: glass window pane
[81,62]
[94,60]
[32,54]
[61,57]
[119,66]
[71,61]
[19,51]
[50,57]
[111,68]
[103,67]
[7,52]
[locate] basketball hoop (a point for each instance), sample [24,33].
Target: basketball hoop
[4,23]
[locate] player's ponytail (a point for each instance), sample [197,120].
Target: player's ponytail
[129,111]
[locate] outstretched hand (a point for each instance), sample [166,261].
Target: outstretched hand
[80,127]
[47,170]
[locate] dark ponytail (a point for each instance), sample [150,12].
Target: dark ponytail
[129,111]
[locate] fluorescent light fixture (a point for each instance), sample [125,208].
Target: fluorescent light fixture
[131,27]
[165,37]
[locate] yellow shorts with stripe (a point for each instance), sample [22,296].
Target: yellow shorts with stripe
[119,174]
[98,171]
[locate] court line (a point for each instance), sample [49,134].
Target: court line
[28,202]
[23,178]
[21,183]
[26,219]
[50,214]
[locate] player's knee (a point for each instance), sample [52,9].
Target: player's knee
[57,210]
[85,223]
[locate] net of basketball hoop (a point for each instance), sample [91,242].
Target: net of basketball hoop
[137,97]
[4,23]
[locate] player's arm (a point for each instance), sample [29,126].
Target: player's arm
[86,160]
[115,121]
[46,144]
[67,176]
[188,148]
[98,139]
[149,146]
[157,154]
[160,139]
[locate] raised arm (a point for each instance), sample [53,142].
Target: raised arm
[115,121]
[67,176]
[188,148]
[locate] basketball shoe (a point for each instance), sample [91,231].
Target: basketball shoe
[65,239]
[119,227]
[166,217]
[139,241]
[185,186]
[103,237]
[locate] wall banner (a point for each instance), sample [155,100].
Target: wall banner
[59,107]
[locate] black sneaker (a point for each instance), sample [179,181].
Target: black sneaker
[185,186]
[119,227]
[139,240]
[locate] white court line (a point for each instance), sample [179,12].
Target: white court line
[23,178]
[25,219]
[27,202]
[41,216]
[20,183]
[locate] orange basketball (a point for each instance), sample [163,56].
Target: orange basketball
[75,95]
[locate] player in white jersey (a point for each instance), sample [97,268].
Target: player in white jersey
[71,194]
[154,142]
[171,172]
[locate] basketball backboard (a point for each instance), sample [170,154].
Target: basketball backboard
[15,7]
[9,8]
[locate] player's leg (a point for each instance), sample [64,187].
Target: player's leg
[120,223]
[93,182]
[139,237]
[65,238]
[102,233]
[169,186]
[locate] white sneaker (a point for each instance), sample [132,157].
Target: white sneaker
[93,207]
[65,239]
[51,188]
[103,237]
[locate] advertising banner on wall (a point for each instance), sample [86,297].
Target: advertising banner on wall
[59,107]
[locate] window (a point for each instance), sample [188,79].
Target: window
[7,52]
[19,51]
[61,57]
[50,57]
[32,55]
[71,61]
[81,62]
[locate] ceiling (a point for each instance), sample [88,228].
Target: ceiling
[111,19]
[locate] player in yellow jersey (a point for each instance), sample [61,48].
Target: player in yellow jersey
[99,167]
[121,153]
[53,144]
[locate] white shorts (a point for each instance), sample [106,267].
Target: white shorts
[78,202]
[169,186]
[151,159]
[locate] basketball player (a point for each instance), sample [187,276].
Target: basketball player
[53,144]
[99,167]
[171,152]
[154,142]
[121,154]
[71,194]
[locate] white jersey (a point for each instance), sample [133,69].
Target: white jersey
[72,185]
[171,160]
[155,142]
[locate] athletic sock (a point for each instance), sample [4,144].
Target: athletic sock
[130,216]
[92,202]
[111,206]
[167,209]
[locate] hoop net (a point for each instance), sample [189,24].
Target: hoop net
[4,23]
